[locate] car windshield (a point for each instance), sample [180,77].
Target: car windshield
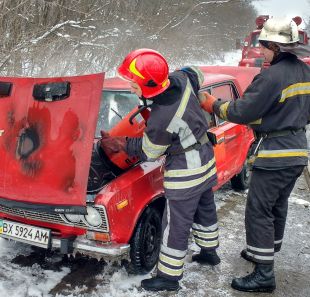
[113,107]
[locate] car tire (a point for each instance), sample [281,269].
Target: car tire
[240,182]
[145,243]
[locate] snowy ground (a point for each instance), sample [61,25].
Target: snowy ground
[26,273]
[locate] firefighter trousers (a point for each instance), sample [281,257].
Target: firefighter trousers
[198,213]
[266,211]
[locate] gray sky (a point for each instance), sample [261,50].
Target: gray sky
[285,8]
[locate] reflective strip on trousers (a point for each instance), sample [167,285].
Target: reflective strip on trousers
[263,254]
[171,263]
[206,237]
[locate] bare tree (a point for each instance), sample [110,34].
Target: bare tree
[65,37]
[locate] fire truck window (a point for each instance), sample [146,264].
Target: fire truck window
[302,37]
[114,106]
[254,40]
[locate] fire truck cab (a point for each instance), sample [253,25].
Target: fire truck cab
[251,56]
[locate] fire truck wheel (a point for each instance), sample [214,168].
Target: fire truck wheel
[240,182]
[145,243]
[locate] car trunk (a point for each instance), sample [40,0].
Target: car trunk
[47,127]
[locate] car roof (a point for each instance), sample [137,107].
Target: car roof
[118,84]
[242,76]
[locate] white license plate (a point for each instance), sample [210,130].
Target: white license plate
[25,233]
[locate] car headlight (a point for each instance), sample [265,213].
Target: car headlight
[93,217]
[72,218]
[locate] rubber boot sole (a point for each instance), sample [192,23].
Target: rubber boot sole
[259,290]
[161,289]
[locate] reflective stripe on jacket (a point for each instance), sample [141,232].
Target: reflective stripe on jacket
[177,122]
[278,99]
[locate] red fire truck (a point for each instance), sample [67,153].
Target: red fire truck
[251,56]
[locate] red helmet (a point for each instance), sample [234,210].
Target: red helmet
[147,68]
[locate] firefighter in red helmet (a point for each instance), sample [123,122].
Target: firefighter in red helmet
[148,69]
[176,129]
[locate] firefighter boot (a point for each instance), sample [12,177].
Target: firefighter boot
[260,280]
[209,257]
[245,256]
[159,283]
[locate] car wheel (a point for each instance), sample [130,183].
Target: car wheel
[240,182]
[145,243]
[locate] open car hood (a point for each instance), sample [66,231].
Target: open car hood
[47,127]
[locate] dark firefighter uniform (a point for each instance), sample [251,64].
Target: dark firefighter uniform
[177,129]
[277,106]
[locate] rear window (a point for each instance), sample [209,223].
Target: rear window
[113,107]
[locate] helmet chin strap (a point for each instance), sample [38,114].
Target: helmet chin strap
[143,99]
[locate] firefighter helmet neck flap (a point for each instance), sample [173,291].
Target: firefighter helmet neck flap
[147,68]
[278,30]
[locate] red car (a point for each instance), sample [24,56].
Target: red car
[46,137]
[251,56]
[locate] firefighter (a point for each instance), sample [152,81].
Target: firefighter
[175,129]
[277,106]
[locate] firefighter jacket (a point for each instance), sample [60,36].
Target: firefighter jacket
[277,106]
[177,123]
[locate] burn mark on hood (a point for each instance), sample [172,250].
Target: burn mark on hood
[28,142]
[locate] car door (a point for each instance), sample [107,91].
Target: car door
[48,127]
[219,148]
[232,134]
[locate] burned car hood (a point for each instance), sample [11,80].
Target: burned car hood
[47,127]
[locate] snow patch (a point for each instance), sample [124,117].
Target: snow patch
[124,285]
[295,200]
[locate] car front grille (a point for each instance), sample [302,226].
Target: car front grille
[57,218]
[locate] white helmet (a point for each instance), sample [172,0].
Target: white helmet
[283,31]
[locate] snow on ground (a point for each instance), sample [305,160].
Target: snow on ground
[23,273]
[229,59]
[18,281]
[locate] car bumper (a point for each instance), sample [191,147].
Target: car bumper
[90,247]
[83,246]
